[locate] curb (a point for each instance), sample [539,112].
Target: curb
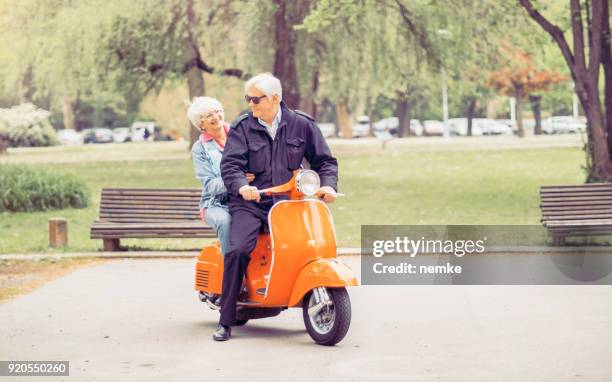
[341,252]
[131,255]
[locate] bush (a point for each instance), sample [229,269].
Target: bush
[26,125]
[27,189]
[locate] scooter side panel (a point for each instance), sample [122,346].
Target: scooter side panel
[330,273]
[301,231]
[209,270]
[258,270]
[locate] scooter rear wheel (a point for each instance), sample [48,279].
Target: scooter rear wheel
[330,324]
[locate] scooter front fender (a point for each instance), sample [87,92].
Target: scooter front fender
[330,273]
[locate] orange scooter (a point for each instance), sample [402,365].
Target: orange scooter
[294,265]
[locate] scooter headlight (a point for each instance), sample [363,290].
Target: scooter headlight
[308,182]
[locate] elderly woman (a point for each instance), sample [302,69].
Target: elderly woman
[206,114]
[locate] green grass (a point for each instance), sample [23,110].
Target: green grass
[28,189]
[394,186]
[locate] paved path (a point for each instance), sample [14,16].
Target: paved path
[140,320]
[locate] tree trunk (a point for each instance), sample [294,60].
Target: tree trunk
[601,169]
[26,89]
[537,113]
[470,114]
[288,13]
[402,110]
[370,110]
[68,113]
[344,119]
[195,81]
[309,104]
[4,144]
[336,122]
[520,96]
[606,61]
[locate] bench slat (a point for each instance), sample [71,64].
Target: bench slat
[146,221]
[155,193]
[594,222]
[145,213]
[578,217]
[589,186]
[142,206]
[562,207]
[150,200]
[607,199]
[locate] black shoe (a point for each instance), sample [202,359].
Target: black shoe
[214,302]
[222,333]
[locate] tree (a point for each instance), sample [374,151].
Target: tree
[585,75]
[518,78]
[606,61]
[385,44]
[288,14]
[152,42]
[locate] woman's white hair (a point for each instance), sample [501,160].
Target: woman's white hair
[200,106]
[265,83]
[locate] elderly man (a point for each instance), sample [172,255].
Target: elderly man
[271,141]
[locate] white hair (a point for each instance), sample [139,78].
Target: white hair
[200,106]
[265,83]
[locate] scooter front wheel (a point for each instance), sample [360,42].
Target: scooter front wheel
[327,314]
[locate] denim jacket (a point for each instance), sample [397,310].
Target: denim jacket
[206,155]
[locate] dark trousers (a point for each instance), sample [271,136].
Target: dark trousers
[246,225]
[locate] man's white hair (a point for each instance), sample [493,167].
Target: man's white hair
[265,83]
[200,106]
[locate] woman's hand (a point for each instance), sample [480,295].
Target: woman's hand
[250,177]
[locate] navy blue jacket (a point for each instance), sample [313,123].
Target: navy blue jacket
[250,148]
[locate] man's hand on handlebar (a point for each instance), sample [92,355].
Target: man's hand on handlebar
[250,193]
[327,193]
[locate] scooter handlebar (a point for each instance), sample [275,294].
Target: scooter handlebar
[267,191]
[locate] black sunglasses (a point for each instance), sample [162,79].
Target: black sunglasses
[255,100]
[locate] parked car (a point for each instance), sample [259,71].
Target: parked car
[97,135]
[416,127]
[122,134]
[433,127]
[362,127]
[491,126]
[143,131]
[563,125]
[391,124]
[69,137]
[327,129]
[160,135]
[385,124]
[458,126]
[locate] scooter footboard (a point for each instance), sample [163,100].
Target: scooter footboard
[330,273]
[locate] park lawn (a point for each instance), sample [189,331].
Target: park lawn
[393,186]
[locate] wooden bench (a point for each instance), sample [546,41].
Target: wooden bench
[148,213]
[577,210]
